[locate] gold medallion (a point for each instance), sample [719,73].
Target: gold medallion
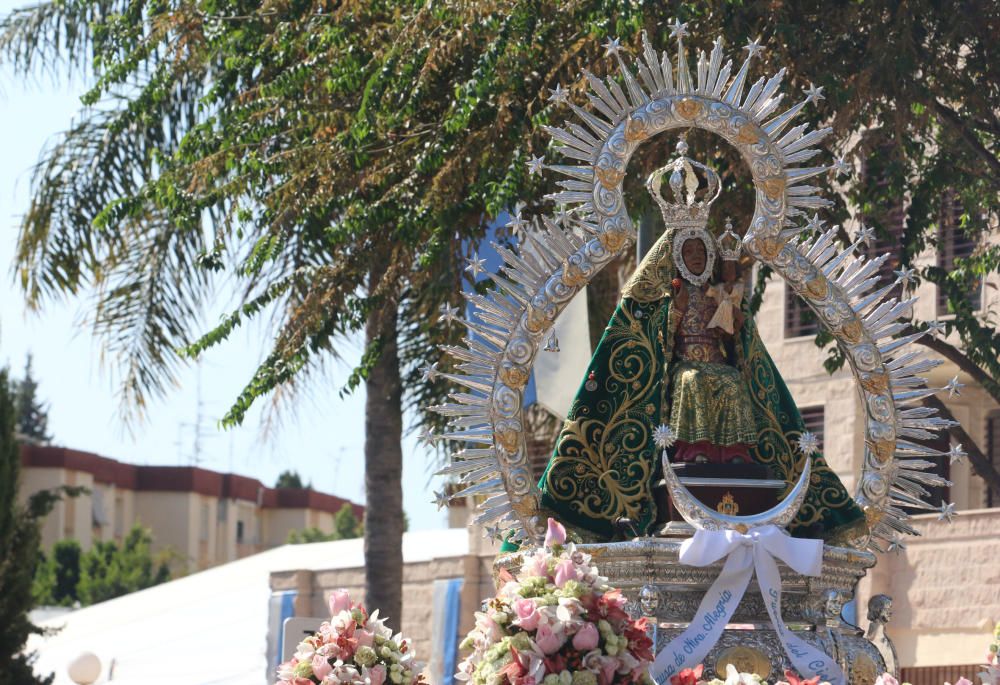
[688,108]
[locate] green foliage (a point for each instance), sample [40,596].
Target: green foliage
[32,416]
[58,575]
[20,538]
[110,570]
[345,527]
[278,148]
[289,479]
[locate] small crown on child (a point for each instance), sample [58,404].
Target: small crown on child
[729,243]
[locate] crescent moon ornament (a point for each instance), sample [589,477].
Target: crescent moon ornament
[702,517]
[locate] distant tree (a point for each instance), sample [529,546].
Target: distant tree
[20,538]
[58,575]
[289,479]
[346,524]
[32,422]
[345,527]
[110,570]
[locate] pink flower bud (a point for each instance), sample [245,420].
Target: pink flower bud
[340,600]
[556,534]
[377,674]
[321,667]
[586,638]
[565,571]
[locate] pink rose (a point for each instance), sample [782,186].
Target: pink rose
[565,570]
[376,674]
[886,679]
[321,666]
[364,638]
[556,534]
[536,565]
[340,600]
[527,613]
[586,638]
[548,641]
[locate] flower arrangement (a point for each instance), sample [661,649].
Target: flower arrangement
[557,623]
[353,648]
[990,674]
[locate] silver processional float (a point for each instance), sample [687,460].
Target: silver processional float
[721,588]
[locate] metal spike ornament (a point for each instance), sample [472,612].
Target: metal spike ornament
[508,326]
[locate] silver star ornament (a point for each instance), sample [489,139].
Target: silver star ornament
[558,94]
[430,372]
[808,443]
[441,499]
[448,314]
[865,235]
[905,276]
[476,265]
[935,328]
[954,388]
[753,47]
[678,29]
[841,167]
[663,436]
[814,93]
[946,512]
[535,165]
[611,47]
[956,454]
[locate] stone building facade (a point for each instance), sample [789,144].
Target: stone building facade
[207,517]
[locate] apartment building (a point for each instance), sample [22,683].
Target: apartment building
[945,584]
[207,517]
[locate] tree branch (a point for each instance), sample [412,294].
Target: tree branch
[952,117]
[955,355]
[980,464]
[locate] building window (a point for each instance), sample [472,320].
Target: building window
[993,455]
[239,532]
[955,243]
[799,319]
[812,417]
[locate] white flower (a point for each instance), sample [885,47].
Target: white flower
[734,677]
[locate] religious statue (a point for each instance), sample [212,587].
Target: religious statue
[681,365]
[879,614]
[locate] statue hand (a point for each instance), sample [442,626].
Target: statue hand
[738,319]
[681,296]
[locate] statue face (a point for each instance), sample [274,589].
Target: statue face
[695,255]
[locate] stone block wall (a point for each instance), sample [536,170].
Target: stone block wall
[945,587]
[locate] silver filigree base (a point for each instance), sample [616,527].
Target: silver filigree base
[657,585]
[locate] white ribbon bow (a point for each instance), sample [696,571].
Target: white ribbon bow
[755,551]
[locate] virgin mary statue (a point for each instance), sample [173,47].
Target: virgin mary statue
[681,364]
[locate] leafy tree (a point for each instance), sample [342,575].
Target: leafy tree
[346,523]
[32,415]
[20,538]
[345,527]
[289,479]
[58,575]
[342,157]
[110,570]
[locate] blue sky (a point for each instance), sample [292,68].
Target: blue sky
[322,437]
